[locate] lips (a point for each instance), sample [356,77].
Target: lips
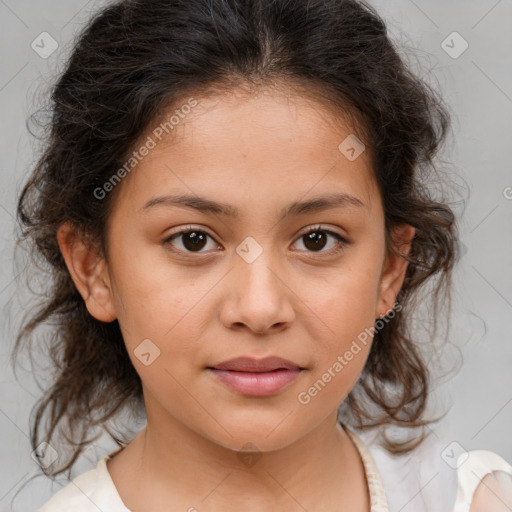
[249,364]
[256,377]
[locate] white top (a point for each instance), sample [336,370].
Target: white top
[435,477]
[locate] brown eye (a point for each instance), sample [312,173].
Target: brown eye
[192,240]
[316,239]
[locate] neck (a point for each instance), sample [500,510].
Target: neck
[320,471]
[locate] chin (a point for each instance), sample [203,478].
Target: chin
[255,434]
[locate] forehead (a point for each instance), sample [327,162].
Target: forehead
[251,149]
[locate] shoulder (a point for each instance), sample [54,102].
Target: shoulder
[440,475]
[91,491]
[484,484]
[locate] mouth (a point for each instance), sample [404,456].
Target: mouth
[253,377]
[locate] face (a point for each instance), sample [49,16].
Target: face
[245,279]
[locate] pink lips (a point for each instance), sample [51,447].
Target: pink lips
[256,377]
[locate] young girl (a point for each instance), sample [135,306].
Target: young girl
[234,204]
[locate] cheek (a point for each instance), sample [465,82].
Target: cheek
[345,302]
[339,362]
[344,309]
[152,296]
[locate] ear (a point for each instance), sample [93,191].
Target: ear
[394,268]
[88,271]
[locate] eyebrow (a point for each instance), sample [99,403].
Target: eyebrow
[201,204]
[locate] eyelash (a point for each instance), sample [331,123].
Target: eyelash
[342,242]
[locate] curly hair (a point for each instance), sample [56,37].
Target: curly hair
[136,59]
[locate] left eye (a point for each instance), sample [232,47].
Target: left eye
[315,240]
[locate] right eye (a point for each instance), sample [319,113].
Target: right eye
[192,240]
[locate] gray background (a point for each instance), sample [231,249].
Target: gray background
[478,88]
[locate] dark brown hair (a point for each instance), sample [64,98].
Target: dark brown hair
[137,59]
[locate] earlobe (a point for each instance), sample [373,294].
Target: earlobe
[88,271]
[395,267]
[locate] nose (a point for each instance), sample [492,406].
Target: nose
[259,296]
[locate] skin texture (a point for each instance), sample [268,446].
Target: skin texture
[493,494]
[258,153]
